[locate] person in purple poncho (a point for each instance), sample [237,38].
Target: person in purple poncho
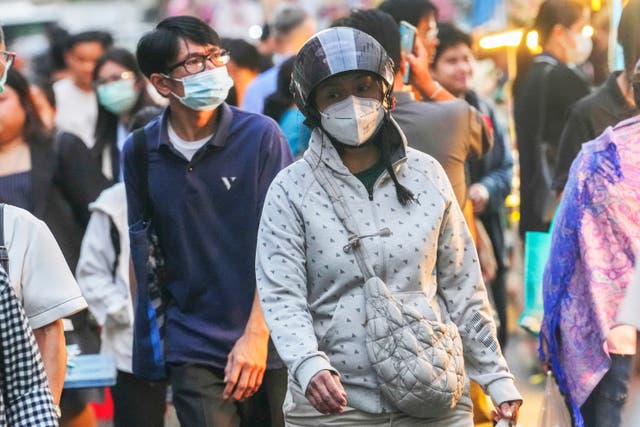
[593,252]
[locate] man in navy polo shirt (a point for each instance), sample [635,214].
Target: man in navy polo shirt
[209,168]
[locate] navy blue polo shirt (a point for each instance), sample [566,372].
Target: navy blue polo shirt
[207,213]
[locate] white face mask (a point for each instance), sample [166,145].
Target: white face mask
[580,53]
[354,120]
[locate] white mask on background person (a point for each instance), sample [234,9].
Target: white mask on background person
[581,51]
[354,120]
[205,90]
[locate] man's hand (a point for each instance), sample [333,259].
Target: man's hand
[246,364]
[479,196]
[420,76]
[486,255]
[326,394]
[508,411]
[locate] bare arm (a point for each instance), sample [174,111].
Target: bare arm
[247,360]
[50,339]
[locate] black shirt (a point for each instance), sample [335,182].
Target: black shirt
[588,118]
[561,88]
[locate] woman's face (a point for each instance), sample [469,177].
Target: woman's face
[574,31]
[12,115]
[356,83]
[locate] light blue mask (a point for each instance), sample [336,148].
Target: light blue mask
[206,90]
[118,97]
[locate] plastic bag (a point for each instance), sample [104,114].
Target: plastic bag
[536,253]
[554,411]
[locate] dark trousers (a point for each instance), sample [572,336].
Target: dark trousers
[197,397]
[603,407]
[138,403]
[498,289]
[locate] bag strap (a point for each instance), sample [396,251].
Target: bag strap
[542,99]
[142,166]
[115,241]
[4,253]
[344,215]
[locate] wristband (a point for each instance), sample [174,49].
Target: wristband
[437,91]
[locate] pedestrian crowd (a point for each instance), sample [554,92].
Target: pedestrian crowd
[313,231]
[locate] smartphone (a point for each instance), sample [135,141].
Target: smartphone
[407,39]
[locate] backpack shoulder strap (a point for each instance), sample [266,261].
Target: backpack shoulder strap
[142,166]
[4,253]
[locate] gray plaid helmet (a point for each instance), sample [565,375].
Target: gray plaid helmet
[334,51]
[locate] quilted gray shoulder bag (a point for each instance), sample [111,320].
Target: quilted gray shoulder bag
[418,362]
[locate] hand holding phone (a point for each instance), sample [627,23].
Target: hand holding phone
[407,40]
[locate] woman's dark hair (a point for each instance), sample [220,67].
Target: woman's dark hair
[281,100]
[102,37]
[33,131]
[107,123]
[551,13]
[635,83]
[388,140]
[158,49]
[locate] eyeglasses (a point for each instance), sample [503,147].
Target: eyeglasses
[126,75]
[6,58]
[197,63]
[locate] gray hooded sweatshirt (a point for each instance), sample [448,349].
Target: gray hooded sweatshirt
[311,290]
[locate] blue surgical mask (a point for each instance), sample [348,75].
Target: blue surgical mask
[118,97]
[205,90]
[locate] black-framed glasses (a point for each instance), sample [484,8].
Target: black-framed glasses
[197,63]
[6,58]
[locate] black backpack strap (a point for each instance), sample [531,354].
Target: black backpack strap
[115,240]
[142,166]
[4,253]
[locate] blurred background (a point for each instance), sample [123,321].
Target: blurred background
[36,29]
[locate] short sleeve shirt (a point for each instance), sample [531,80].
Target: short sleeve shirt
[38,271]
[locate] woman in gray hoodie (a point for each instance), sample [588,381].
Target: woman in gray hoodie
[410,227]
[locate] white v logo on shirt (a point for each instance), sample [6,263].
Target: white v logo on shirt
[227,181]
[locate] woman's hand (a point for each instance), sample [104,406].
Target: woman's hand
[326,394]
[507,410]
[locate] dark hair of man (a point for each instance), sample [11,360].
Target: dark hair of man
[243,53]
[450,36]
[551,13]
[628,35]
[33,131]
[102,37]
[158,49]
[288,19]
[379,25]
[276,104]
[107,123]
[412,11]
